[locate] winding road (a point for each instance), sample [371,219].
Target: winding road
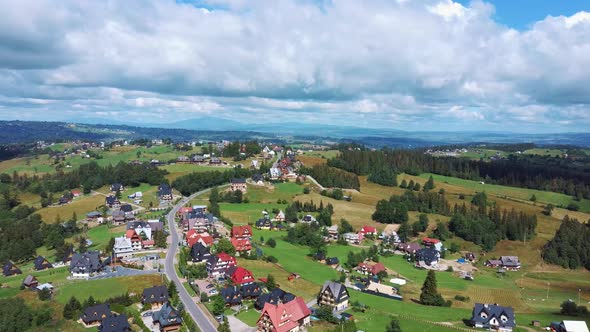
[199,317]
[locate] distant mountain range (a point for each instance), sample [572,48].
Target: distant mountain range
[213,129]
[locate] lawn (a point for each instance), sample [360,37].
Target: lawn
[250,317]
[283,191]
[105,288]
[178,170]
[511,192]
[485,154]
[545,152]
[245,213]
[101,235]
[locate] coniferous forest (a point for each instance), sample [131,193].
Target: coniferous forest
[570,247]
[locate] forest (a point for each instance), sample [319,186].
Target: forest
[526,171]
[332,177]
[191,183]
[570,248]
[481,222]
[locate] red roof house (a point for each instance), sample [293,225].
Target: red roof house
[368,230]
[239,232]
[284,317]
[76,193]
[239,275]
[241,245]
[370,269]
[192,238]
[429,242]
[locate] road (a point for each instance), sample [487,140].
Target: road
[202,321]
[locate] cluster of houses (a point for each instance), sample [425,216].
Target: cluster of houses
[285,169]
[139,235]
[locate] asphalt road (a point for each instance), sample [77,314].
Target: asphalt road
[202,321]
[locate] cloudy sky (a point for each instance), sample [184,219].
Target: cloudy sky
[404,64]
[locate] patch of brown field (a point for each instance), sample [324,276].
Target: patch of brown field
[357,214]
[29,199]
[80,206]
[32,299]
[173,176]
[299,287]
[310,161]
[559,213]
[493,295]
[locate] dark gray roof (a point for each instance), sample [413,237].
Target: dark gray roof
[164,189]
[167,316]
[96,313]
[87,262]
[338,290]
[156,294]
[238,180]
[41,263]
[483,313]
[231,295]
[115,324]
[428,255]
[10,269]
[126,208]
[276,296]
[199,252]
[251,290]
[29,280]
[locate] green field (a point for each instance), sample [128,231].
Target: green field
[101,235]
[522,194]
[485,154]
[545,152]
[328,154]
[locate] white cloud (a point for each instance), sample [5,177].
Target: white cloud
[396,62]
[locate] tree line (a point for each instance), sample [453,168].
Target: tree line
[332,177]
[197,181]
[526,171]
[482,222]
[570,247]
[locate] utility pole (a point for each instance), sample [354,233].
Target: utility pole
[579,294]
[548,285]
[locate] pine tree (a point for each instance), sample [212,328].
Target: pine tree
[430,294]
[270,282]
[404,184]
[429,185]
[393,326]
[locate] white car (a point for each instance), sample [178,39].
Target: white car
[213,292]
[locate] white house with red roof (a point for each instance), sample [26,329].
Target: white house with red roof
[368,230]
[432,243]
[372,269]
[193,237]
[239,275]
[241,245]
[240,232]
[218,264]
[292,316]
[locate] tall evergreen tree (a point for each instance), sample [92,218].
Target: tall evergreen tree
[430,295]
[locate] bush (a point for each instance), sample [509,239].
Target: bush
[461,298]
[306,190]
[271,243]
[271,259]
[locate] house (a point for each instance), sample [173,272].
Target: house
[30,282]
[372,269]
[42,264]
[334,295]
[332,261]
[280,216]
[238,184]
[167,318]
[76,193]
[275,173]
[183,159]
[198,159]
[382,290]
[123,247]
[319,256]
[118,217]
[117,187]
[493,316]
[308,219]
[94,216]
[470,256]
[275,296]
[199,221]
[135,239]
[9,269]
[254,164]
[353,238]
[200,253]
[231,295]
[292,316]
[112,202]
[241,245]
[428,256]
[164,192]
[250,291]
[155,296]
[432,243]
[239,275]
[115,323]
[569,326]
[510,263]
[264,223]
[192,238]
[45,286]
[215,161]
[333,232]
[83,265]
[258,179]
[94,315]
[218,264]
[409,248]
[127,208]
[136,195]
[241,232]
[368,230]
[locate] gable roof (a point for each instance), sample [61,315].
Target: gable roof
[164,190]
[192,237]
[492,311]
[275,296]
[240,275]
[96,313]
[114,323]
[285,317]
[338,290]
[86,262]
[156,294]
[126,208]
[241,231]
[199,252]
[238,181]
[231,295]
[167,316]
[251,290]
[41,263]
[10,269]
[30,280]
[241,244]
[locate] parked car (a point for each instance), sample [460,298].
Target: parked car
[147,314]
[219,318]
[213,292]
[210,286]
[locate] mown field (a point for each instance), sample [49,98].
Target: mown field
[546,152]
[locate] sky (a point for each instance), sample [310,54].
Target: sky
[499,65]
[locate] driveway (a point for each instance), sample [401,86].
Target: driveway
[149,322]
[120,271]
[236,325]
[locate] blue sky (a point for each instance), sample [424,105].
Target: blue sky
[496,65]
